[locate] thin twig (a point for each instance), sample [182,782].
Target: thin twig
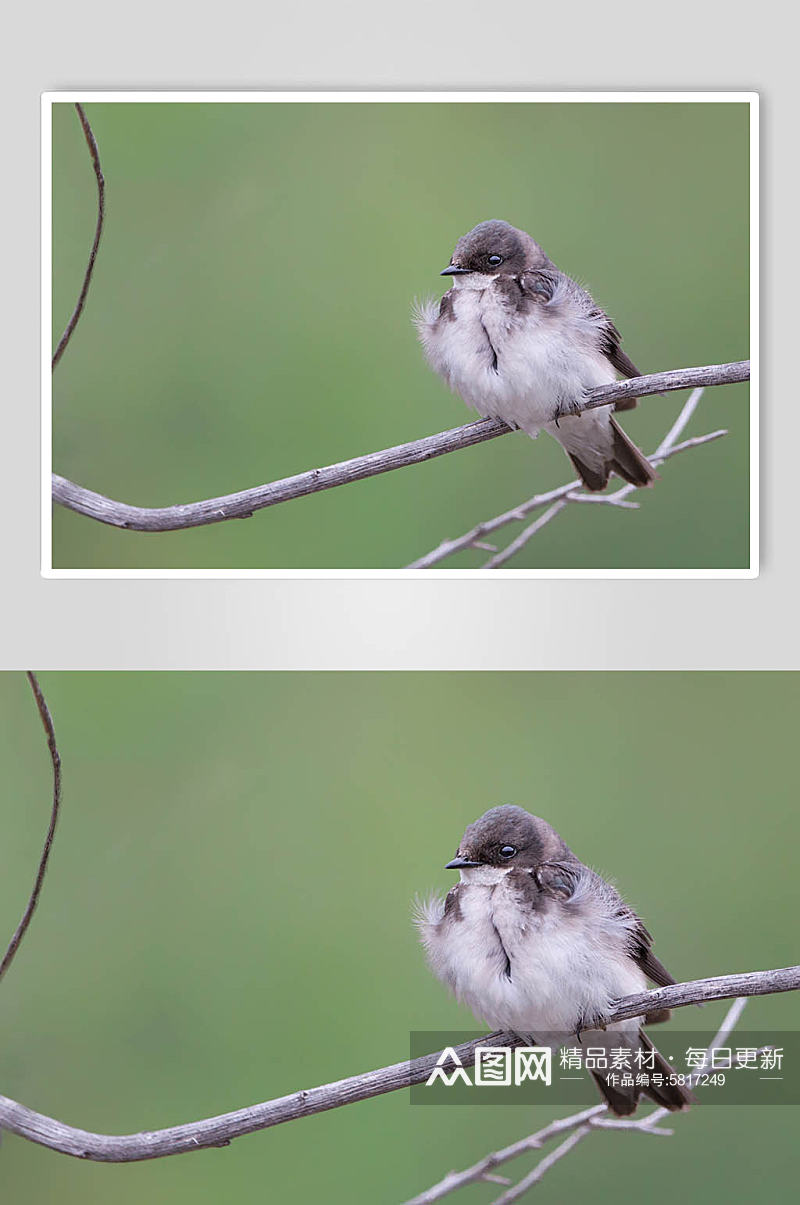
[532,1142]
[500,558]
[729,1023]
[242,505]
[542,1167]
[22,927]
[220,1130]
[588,1119]
[681,422]
[665,449]
[662,453]
[98,230]
[471,539]
[623,1123]
[608,499]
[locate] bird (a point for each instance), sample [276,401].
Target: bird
[521,341]
[534,941]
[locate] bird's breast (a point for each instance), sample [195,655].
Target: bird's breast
[529,969]
[511,359]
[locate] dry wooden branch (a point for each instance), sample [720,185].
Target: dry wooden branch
[243,504]
[557,499]
[580,1124]
[219,1131]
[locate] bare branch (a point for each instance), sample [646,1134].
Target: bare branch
[543,1166]
[588,1119]
[514,547]
[662,453]
[608,499]
[98,230]
[243,504]
[729,1023]
[220,1130]
[644,1125]
[680,424]
[22,927]
[478,1171]
[472,539]
[722,987]
[677,378]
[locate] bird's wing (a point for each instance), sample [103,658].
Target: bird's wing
[542,284]
[642,952]
[610,341]
[562,879]
[558,878]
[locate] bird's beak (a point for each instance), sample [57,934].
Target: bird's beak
[452,270]
[459,863]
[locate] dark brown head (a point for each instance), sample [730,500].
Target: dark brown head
[508,837]
[495,247]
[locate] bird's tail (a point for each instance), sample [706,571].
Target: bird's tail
[598,447]
[628,461]
[624,1100]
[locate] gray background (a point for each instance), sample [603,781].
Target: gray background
[385,623]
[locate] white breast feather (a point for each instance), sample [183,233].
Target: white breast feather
[565,965]
[542,366]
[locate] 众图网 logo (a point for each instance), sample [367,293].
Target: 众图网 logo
[495,1065]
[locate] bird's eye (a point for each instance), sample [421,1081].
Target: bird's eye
[507,851]
[494,260]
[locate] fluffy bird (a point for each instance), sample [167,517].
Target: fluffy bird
[521,341]
[535,942]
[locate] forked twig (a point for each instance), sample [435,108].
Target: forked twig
[557,499]
[579,1125]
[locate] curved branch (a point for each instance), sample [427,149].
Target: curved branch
[219,1131]
[241,505]
[22,927]
[98,230]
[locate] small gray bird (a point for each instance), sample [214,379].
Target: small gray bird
[520,341]
[535,942]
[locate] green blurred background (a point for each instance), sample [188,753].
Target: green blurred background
[227,915]
[250,319]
